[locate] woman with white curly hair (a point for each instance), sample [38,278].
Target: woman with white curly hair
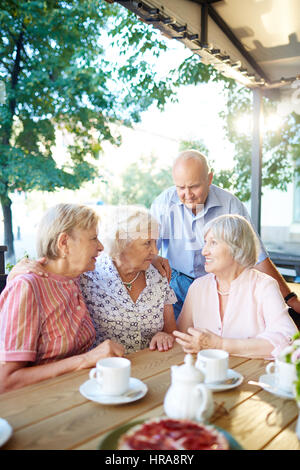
[234,307]
[128,300]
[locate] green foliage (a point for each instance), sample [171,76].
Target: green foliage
[193,144]
[192,72]
[280,148]
[138,43]
[141,183]
[57,64]
[9,266]
[57,73]
[225,179]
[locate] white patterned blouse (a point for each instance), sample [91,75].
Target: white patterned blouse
[114,314]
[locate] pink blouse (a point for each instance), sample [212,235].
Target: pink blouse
[43,319]
[255,309]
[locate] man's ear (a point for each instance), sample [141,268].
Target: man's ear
[210,177]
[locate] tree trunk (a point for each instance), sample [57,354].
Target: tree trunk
[5,201]
[8,228]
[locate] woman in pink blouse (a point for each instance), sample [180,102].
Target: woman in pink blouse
[44,322]
[234,307]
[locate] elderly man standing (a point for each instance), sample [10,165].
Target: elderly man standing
[182,211]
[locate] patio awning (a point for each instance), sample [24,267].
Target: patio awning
[255,42]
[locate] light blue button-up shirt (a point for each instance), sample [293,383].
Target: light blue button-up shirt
[181,232]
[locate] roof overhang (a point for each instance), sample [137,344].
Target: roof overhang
[255,42]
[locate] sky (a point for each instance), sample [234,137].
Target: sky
[195,116]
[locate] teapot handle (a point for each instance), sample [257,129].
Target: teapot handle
[201,388]
[270,366]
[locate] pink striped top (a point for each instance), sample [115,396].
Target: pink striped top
[43,319]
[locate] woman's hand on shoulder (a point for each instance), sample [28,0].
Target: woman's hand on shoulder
[26,266]
[163,267]
[161,341]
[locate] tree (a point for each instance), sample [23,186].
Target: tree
[57,74]
[141,183]
[144,180]
[281,147]
[194,144]
[57,62]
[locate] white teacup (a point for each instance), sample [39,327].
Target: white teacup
[112,375]
[284,374]
[214,364]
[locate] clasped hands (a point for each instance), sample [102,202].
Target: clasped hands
[196,339]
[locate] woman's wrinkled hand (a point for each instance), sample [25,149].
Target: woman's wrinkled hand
[163,267]
[196,339]
[161,341]
[26,266]
[106,349]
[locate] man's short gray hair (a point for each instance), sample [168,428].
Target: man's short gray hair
[239,235]
[124,224]
[192,154]
[62,218]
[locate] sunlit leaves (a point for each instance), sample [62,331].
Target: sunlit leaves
[141,183]
[280,151]
[58,73]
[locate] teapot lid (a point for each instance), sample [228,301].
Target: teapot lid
[188,371]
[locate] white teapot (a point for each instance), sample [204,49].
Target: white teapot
[187,397]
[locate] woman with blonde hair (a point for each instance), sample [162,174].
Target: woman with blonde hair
[128,300]
[45,328]
[234,307]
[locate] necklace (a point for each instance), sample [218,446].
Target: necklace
[222,293]
[128,285]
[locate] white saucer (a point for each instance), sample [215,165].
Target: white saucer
[90,390]
[221,387]
[269,379]
[5,431]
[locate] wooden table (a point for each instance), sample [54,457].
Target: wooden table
[54,415]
